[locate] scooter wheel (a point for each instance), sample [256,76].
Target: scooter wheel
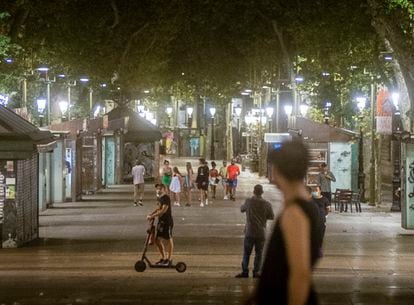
[181,267]
[140,266]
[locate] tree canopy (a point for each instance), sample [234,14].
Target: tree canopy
[211,47]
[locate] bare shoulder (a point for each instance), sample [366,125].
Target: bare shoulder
[293,216]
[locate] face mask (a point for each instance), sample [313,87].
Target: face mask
[315,194]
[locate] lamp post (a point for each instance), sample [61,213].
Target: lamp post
[396,152]
[237,111]
[70,85]
[361,102]
[41,106]
[48,82]
[269,113]
[190,111]
[212,112]
[86,80]
[63,106]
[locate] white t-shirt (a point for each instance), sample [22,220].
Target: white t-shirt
[138,172]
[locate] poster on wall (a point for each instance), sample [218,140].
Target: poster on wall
[384,112]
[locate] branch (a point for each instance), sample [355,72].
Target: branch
[116,14]
[130,41]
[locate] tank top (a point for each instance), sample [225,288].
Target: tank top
[273,284]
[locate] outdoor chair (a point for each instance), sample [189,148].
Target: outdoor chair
[356,199]
[344,198]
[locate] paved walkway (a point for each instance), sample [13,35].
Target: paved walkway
[88,249]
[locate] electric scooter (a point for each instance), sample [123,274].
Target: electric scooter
[142,264]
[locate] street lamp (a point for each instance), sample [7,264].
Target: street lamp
[41,106]
[169,111]
[63,106]
[303,109]
[212,112]
[141,110]
[85,79]
[190,111]
[361,102]
[269,113]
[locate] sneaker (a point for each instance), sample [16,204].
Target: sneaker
[187,205]
[242,275]
[206,203]
[202,205]
[256,275]
[160,262]
[135,204]
[140,203]
[226,198]
[177,204]
[167,262]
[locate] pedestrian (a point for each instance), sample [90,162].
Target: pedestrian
[324,179]
[188,183]
[324,206]
[258,211]
[175,186]
[213,179]
[233,171]
[293,247]
[223,176]
[166,175]
[164,226]
[138,172]
[202,182]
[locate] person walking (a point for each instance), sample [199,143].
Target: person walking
[175,186]
[294,244]
[166,175]
[258,211]
[188,183]
[213,179]
[138,172]
[233,171]
[223,176]
[324,179]
[202,182]
[164,226]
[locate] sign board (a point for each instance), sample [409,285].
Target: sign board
[407,204]
[277,137]
[384,112]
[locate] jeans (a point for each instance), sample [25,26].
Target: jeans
[249,243]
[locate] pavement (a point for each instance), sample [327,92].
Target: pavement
[87,251]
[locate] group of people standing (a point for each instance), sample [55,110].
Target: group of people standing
[177,183]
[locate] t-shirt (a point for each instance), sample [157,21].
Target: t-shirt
[258,211]
[233,171]
[202,173]
[167,216]
[138,172]
[223,172]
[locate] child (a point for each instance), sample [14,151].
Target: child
[175,186]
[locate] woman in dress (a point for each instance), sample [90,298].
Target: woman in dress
[188,183]
[175,186]
[166,175]
[213,178]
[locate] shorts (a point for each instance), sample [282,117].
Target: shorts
[164,230]
[202,185]
[224,181]
[232,183]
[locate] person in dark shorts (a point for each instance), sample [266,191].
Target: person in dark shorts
[202,182]
[294,244]
[164,226]
[323,205]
